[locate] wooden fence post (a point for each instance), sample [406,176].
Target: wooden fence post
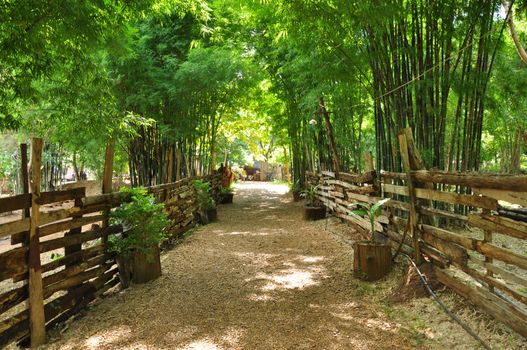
[107,185]
[37,321]
[403,145]
[24,177]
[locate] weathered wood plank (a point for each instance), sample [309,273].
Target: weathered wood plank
[514,183]
[495,306]
[12,298]
[37,321]
[75,269]
[366,177]
[61,196]
[502,272]
[452,251]
[70,240]
[21,201]
[449,197]
[14,227]
[75,280]
[493,283]
[13,262]
[57,215]
[443,213]
[59,227]
[499,224]
[352,188]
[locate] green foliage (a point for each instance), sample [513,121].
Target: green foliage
[371,211]
[226,190]
[203,197]
[144,223]
[310,194]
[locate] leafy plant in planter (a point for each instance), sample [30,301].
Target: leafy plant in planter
[212,211]
[206,205]
[137,249]
[372,260]
[314,209]
[226,195]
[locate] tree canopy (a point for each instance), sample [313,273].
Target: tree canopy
[179,82]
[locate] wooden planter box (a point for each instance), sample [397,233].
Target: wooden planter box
[314,213]
[371,260]
[226,198]
[139,267]
[146,266]
[124,264]
[212,214]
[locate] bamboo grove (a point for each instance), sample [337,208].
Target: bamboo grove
[182,86]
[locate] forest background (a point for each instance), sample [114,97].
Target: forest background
[177,84]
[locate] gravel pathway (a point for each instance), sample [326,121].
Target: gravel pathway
[259,278]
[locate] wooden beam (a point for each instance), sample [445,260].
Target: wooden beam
[474,180]
[492,304]
[37,322]
[403,145]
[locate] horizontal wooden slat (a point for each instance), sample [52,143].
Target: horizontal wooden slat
[75,280]
[510,196]
[60,226]
[352,188]
[21,201]
[12,298]
[113,199]
[448,197]
[84,254]
[75,269]
[360,178]
[61,196]
[70,240]
[515,183]
[492,282]
[13,262]
[500,225]
[489,302]
[14,227]
[57,215]
[502,272]
[443,213]
[485,248]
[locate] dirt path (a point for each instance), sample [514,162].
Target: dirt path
[260,278]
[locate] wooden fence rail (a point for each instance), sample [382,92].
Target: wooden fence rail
[478,252]
[56,262]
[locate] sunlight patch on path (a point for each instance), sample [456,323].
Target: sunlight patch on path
[266,186]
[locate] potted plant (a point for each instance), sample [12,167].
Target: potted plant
[212,211]
[137,248]
[226,195]
[206,205]
[313,209]
[372,259]
[294,187]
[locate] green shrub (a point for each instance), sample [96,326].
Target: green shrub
[143,221]
[203,197]
[310,194]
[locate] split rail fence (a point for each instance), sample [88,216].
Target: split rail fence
[56,263]
[459,221]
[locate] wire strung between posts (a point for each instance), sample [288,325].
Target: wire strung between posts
[444,307]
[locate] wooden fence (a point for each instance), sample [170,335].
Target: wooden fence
[56,263]
[459,221]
